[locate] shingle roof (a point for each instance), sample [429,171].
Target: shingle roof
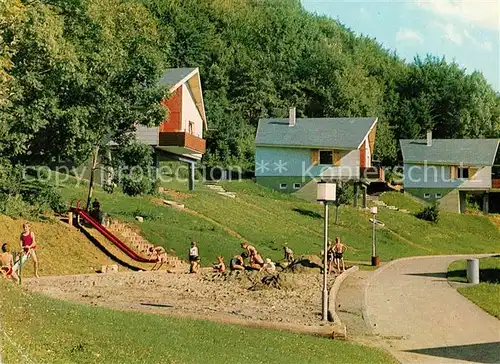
[172,76]
[345,133]
[450,151]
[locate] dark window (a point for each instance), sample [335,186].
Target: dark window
[325,157]
[283,186]
[463,173]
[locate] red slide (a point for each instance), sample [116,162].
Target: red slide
[110,236]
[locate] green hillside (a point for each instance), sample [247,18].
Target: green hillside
[269,219]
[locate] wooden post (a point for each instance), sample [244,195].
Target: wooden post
[70,218]
[92,170]
[191,176]
[364,196]
[355,199]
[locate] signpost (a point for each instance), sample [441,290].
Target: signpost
[375,258]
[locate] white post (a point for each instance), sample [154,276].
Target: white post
[373,238]
[473,271]
[325,267]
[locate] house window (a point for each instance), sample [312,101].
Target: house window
[191,127]
[427,195]
[296,186]
[325,157]
[438,195]
[283,186]
[463,173]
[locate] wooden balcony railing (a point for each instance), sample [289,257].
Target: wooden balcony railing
[372,173]
[184,140]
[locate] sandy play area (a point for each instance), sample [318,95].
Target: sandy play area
[238,297]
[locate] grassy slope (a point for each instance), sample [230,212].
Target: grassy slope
[53,331]
[486,294]
[270,219]
[62,249]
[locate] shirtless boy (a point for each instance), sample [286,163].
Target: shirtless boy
[7,262]
[339,250]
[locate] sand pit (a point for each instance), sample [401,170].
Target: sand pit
[227,298]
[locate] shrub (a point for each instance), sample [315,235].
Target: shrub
[429,213]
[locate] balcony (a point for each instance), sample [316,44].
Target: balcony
[182,142]
[495,183]
[372,173]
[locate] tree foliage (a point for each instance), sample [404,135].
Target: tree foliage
[82,72]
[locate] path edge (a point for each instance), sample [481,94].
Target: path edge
[332,297]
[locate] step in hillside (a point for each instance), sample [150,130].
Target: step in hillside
[137,243]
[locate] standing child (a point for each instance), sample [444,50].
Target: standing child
[194,258]
[28,245]
[339,250]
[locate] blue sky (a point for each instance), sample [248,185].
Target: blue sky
[467,31]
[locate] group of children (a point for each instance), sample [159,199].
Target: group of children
[335,255]
[237,262]
[9,265]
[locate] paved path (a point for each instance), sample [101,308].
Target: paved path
[410,304]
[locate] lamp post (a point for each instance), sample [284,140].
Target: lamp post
[326,193]
[375,258]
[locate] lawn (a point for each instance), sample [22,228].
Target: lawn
[270,219]
[43,330]
[486,294]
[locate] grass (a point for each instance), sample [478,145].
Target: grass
[63,250]
[486,294]
[403,201]
[52,331]
[269,219]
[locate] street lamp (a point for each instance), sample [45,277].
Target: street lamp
[326,193]
[375,258]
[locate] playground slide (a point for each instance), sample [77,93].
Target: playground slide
[111,237]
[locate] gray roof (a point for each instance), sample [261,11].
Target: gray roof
[345,133]
[480,152]
[174,75]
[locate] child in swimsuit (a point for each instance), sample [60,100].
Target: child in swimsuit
[7,262]
[28,245]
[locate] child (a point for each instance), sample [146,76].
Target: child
[220,267]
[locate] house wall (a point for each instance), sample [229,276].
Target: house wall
[190,113]
[431,176]
[174,106]
[297,162]
[147,135]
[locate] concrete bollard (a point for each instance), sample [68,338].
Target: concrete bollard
[473,271]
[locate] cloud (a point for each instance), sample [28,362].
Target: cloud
[451,33]
[483,13]
[487,46]
[405,34]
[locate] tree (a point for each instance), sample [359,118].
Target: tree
[343,197]
[99,63]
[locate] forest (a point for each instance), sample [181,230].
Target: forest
[74,73]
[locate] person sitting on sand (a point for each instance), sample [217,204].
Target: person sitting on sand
[7,263]
[220,267]
[237,263]
[269,266]
[28,245]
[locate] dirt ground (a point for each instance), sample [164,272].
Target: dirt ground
[232,298]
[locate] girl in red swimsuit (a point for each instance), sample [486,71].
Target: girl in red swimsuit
[28,245]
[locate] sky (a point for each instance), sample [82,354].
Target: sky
[464,31]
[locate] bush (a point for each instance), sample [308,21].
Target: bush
[429,213]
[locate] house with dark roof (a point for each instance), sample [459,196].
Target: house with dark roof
[293,154]
[447,170]
[181,136]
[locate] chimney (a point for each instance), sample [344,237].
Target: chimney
[429,138]
[292,120]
